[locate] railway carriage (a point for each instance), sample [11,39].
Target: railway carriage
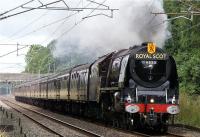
[135,87]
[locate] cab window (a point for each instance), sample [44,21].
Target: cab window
[115,70]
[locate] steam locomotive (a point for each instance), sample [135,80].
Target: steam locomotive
[135,87]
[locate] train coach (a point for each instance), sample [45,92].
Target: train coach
[135,87]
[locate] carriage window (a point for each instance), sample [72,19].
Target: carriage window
[64,83]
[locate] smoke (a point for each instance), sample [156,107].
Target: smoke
[132,24]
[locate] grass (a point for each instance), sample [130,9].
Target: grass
[190,110]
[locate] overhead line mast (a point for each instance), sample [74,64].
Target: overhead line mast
[17,50]
[177,13]
[49,6]
[181,14]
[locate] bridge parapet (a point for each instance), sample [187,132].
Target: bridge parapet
[8,80]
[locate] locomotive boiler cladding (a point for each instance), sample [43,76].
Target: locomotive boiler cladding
[135,88]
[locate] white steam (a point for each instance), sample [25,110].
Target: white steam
[132,24]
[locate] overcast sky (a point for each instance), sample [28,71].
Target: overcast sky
[30,28]
[26,29]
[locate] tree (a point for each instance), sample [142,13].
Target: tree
[38,59]
[184,45]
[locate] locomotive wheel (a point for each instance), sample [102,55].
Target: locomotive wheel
[102,110]
[161,128]
[104,105]
[164,128]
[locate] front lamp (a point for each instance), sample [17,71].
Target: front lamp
[151,100]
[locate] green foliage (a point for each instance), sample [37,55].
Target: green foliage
[184,45]
[41,59]
[190,73]
[38,59]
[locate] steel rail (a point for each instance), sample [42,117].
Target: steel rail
[75,127]
[79,129]
[89,132]
[187,127]
[174,135]
[35,121]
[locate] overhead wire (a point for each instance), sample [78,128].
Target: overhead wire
[79,22]
[21,12]
[14,51]
[46,7]
[61,24]
[150,9]
[15,8]
[44,26]
[57,28]
[161,23]
[49,24]
[28,25]
[166,21]
[52,23]
[9,44]
[94,9]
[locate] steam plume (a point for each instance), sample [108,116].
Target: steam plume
[132,24]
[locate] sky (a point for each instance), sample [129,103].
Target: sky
[42,26]
[26,29]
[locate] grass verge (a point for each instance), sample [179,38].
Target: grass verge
[190,110]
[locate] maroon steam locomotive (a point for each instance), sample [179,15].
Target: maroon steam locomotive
[135,87]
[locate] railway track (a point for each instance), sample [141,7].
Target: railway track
[73,127]
[150,135]
[174,135]
[186,126]
[84,131]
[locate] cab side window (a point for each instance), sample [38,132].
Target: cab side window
[115,70]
